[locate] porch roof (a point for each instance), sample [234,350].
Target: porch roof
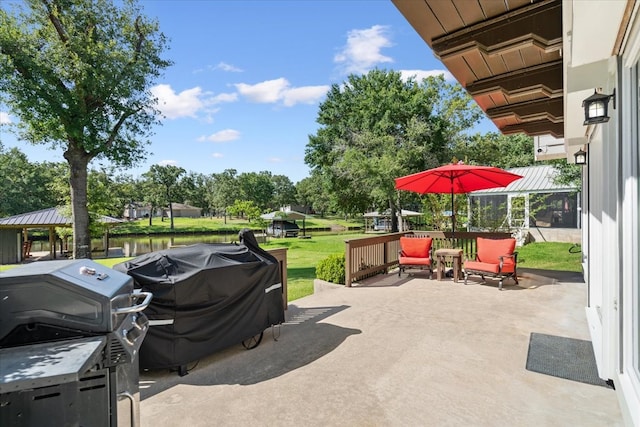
[506,54]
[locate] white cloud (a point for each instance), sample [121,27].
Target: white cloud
[228,67]
[184,104]
[168,163]
[221,136]
[217,155]
[269,91]
[223,97]
[280,90]
[275,160]
[4,118]
[189,102]
[421,74]
[304,95]
[363,50]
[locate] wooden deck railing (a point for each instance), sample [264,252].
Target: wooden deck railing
[368,256]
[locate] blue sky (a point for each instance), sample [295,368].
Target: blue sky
[248,77]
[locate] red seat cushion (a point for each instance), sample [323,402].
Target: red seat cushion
[482,266]
[407,260]
[490,250]
[415,247]
[489,267]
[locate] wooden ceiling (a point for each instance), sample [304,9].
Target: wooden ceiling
[506,53]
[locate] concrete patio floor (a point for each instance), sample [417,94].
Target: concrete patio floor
[395,352]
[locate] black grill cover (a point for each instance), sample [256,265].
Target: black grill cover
[206,297]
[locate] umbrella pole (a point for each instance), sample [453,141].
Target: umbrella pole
[453,215]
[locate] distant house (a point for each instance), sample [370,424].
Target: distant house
[535,204]
[183,211]
[136,210]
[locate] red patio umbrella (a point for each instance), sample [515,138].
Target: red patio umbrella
[456,178]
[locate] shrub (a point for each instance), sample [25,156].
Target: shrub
[331,269]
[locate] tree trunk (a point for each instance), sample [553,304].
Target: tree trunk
[394,217]
[171,213]
[80,213]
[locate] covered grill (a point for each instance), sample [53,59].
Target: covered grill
[70,332]
[206,298]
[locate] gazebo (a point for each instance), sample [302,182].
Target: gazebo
[286,216]
[14,242]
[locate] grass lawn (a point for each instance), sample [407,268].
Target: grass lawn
[304,254]
[549,256]
[215,224]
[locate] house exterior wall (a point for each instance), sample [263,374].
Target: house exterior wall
[610,236]
[185,213]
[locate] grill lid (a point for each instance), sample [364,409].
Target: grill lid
[74,294]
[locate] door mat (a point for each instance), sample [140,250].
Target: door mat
[561,357]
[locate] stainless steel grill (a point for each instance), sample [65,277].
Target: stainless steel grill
[70,332]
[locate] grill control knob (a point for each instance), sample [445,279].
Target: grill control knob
[131,335]
[141,321]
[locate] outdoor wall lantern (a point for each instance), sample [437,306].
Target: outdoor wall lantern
[581,157]
[596,107]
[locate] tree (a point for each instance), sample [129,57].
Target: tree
[166,177]
[377,127]
[494,149]
[255,187]
[244,209]
[311,193]
[284,192]
[108,192]
[568,173]
[223,190]
[77,74]
[193,190]
[28,187]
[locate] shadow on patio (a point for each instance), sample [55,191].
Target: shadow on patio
[389,351]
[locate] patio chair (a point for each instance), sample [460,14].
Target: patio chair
[494,258]
[415,252]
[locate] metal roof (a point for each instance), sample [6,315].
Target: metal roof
[44,218]
[283,215]
[535,179]
[387,213]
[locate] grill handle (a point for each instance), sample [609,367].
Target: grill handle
[137,307]
[135,411]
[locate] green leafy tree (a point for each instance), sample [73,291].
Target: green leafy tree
[223,191]
[494,149]
[256,187]
[311,192]
[26,186]
[244,209]
[284,192]
[166,178]
[108,191]
[192,190]
[152,195]
[77,74]
[377,127]
[568,173]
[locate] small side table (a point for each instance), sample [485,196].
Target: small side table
[442,255]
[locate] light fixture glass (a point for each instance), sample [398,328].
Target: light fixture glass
[581,157]
[596,107]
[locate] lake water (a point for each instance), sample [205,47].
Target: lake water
[132,246]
